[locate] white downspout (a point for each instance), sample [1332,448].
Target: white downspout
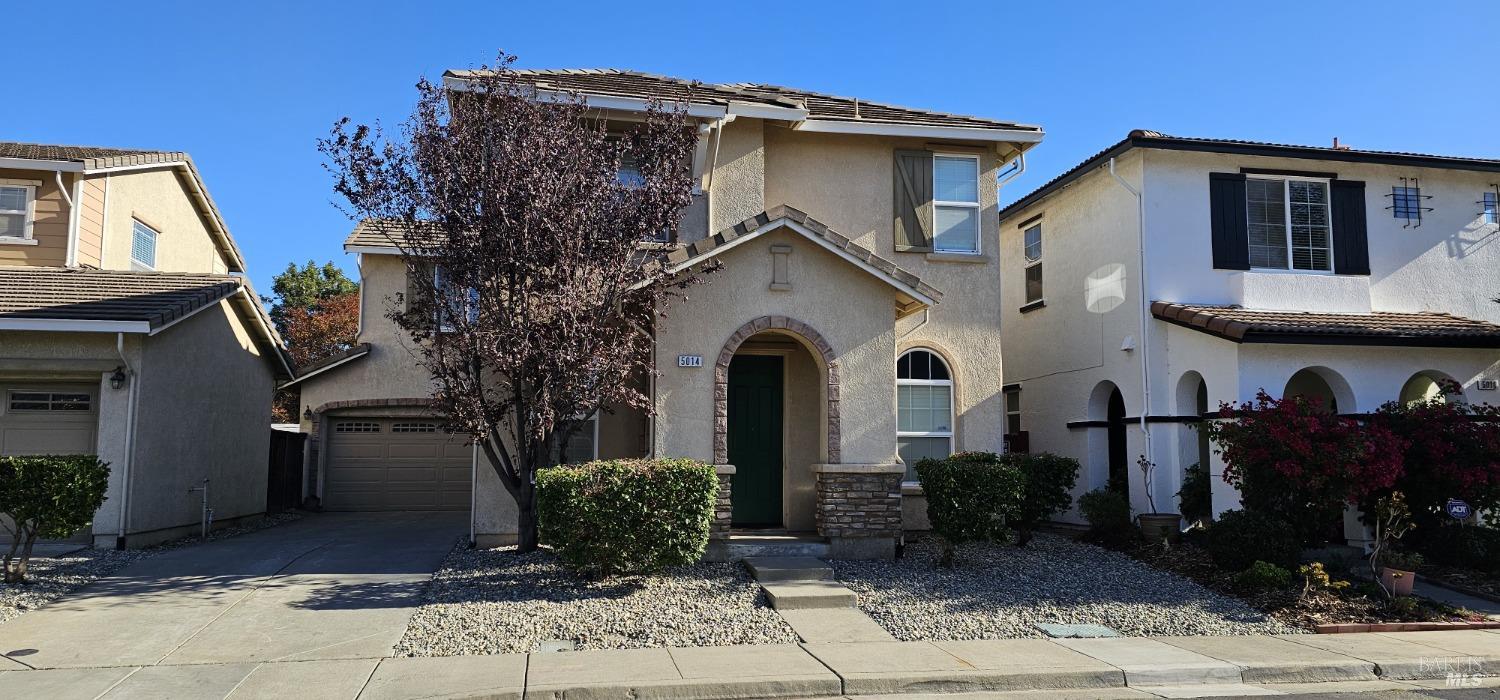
[130,399]
[713,161]
[1145,310]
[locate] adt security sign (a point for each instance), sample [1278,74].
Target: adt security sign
[1458,510]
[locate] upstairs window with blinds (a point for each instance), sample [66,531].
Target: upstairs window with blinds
[1491,203]
[1032,241]
[16,210]
[1288,224]
[142,246]
[955,205]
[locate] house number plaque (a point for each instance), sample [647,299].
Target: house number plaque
[689,360]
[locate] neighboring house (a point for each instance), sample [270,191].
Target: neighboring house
[1358,277]
[127,331]
[852,331]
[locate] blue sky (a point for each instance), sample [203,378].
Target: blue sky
[247,88]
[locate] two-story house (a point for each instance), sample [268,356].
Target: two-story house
[128,331]
[851,332]
[1166,275]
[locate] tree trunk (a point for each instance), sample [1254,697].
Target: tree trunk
[10,555]
[526,520]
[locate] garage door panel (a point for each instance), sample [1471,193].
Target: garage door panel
[48,418]
[396,464]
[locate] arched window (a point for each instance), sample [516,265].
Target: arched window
[924,408]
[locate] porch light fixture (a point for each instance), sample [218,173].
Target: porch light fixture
[307,413]
[117,379]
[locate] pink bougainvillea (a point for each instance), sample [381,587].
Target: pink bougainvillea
[1452,450]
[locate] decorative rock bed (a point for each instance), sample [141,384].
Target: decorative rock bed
[998,591]
[495,601]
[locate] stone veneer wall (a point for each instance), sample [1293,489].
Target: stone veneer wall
[859,504]
[723,503]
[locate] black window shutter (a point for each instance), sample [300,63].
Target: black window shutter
[1226,205]
[1351,239]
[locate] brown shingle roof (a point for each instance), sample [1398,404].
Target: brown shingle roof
[157,298]
[634,84]
[1421,329]
[89,156]
[378,233]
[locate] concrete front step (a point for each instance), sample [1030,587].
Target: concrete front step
[807,595]
[831,625]
[777,569]
[741,547]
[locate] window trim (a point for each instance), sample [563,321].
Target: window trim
[1286,195]
[473,311]
[1012,410]
[90,402]
[594,442]
[28,214]
[1489,207]
[951,432]
[977,205]
[1027,264]
[155,245]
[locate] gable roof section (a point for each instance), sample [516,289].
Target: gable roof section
[95,159]
[384,236]
[1142,138]
[917,294]
[328,363]
[122,301]
[810,111]
[1413,329]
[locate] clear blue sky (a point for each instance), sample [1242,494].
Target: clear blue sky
[247,88]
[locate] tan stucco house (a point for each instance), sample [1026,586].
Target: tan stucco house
[128,331]
[852,331]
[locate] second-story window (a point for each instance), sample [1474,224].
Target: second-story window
[1288,224]
[16,210]
[1033,254]
[142,246]
[1406,203]
[1491,203]
[955,204]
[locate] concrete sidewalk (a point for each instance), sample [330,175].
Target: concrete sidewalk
[1118,667]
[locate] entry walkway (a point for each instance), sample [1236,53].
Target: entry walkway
[1173,667]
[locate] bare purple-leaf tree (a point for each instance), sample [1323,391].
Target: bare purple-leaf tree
[533,257]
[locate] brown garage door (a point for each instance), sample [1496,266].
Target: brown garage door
[395,464]
[48,418]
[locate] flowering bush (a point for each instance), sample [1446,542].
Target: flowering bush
[1452,450]
[1293,459]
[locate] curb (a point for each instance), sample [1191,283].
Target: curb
[1355,627]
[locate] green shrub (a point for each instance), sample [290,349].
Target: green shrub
[47,497]
[1195,499]
[1262,576]
[1108,515]
[1049,481]
[1468,546]
[970,496]
[626,516]
[1240,538]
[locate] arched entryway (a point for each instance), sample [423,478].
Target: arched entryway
[1193,449]
[1430,385]
[1325,387]
[1119,454]
[1110,457]
[775,416]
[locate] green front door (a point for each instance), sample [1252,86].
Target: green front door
[755,439]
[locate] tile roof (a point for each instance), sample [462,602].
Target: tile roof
[90,156]
[156,298]
[376,233]
[723,238]
[1420,329]
[1144,138]
[327,363]
[635,84]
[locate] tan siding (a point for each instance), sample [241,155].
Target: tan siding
[91,222]
[49,228]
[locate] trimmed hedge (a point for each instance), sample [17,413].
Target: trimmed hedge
[1049,489]
[1240,538]
[969,497]
[1108,515]
[626,516]
[1470,546]
[47,497]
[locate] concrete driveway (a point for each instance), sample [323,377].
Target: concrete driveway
[327,587]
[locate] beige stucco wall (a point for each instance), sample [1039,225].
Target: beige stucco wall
[159,200]
[50,223]
[203,411]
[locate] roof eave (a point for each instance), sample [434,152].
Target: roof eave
[872,128]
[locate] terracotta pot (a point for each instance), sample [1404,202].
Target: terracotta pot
[1161,526]
[1397,581]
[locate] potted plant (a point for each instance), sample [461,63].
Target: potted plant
[1393,569]
[1156,526]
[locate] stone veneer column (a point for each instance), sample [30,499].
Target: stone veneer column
[718,530]
[859,509]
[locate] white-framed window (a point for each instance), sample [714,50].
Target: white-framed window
[955,203]
[1289,223]
[441,282]
[17,209]
[629,173]
[50,401]
[142,246]
[1491,203]
[583,444]
[1012,411]
[1032,252]
[924,408]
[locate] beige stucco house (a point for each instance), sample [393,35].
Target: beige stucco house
[127,331]
[852,331]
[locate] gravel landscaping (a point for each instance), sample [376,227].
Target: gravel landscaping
[494,601]
[997,591]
